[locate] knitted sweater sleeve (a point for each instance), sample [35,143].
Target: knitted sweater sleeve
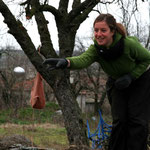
[84,60]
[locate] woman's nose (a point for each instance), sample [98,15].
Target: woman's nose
[99,33]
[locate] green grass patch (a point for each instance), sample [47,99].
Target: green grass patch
[28,115]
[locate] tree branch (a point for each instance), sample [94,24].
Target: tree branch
[47,47]
[19,32]
[82,7]
[63,6]
[4,79]
[50,9]
[76,3]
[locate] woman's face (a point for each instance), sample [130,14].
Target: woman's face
[103,34]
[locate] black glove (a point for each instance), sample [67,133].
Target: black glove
[123,82]
[56,63]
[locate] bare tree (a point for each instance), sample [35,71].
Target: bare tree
[67,24]
[9,81]
[131,19]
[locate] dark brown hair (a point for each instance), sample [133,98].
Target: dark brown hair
[111,21]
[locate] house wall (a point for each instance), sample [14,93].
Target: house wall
[81,101]
[89,108]
[85,106]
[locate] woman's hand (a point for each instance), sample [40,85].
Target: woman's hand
[56,63]
[123,82]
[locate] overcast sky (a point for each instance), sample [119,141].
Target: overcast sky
[85,29]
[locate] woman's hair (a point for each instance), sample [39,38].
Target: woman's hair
[111,21]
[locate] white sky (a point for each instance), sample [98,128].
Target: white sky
[85,29]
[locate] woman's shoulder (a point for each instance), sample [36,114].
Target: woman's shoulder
[131,40]
[133,46]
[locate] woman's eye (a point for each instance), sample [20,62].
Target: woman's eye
[96,30]
[103,30]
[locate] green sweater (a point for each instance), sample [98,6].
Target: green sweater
[134,60]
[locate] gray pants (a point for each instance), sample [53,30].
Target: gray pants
[130,113]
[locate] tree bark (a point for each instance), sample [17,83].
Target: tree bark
[67,24]
[76,129]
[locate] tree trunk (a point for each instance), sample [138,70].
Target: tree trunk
[96,107]
[76,129]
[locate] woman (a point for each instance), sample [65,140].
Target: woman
[126,62]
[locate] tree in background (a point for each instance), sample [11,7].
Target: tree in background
[12,87]
[130,11]
[91,79]
[67,24]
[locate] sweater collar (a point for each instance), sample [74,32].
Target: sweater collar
[112,52]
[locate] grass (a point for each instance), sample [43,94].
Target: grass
[42,135]
[27,115]
[38,125]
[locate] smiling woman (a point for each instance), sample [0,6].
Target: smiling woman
[126,63]
[102,33]
[127,70]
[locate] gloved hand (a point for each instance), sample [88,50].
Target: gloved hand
[56,63]
[123,82]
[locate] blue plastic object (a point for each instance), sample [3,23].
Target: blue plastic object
[100,134]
